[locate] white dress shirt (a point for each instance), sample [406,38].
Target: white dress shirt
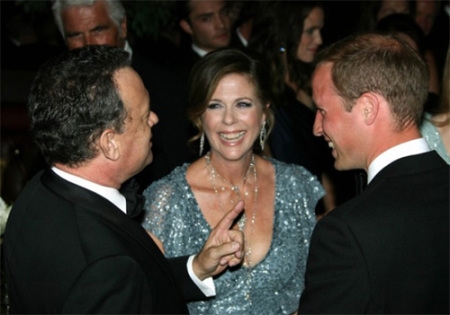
[115,197]
[413,147]
[198,50]
[241,38]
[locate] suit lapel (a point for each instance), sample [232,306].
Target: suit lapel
[410,165]
[102,207]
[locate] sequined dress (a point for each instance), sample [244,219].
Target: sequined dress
[433,138]
[274,285]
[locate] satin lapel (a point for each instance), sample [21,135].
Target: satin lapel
[102,207]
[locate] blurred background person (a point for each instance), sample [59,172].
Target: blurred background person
[207,24]
[435,126]
[431,16]
[229,103]
[404,26]
[287,35]
[373,11]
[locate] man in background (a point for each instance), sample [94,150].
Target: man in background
[208,25]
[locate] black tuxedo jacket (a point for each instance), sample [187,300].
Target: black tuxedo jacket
[387,250]
[69,250]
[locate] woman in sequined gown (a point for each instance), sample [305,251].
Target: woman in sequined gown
[230,108]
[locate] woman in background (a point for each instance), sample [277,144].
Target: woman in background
[287,35]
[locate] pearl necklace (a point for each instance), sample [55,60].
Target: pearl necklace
[243,220]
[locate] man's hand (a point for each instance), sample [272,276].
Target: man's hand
[223,248]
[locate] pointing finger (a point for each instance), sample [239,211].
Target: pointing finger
[227,221]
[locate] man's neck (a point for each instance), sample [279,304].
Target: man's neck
[408,148]
[96,175]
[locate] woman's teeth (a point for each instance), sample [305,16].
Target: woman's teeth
[232,136]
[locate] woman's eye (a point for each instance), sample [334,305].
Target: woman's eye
[213,105]
[244,104]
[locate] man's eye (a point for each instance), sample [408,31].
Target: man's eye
[99,29]
[72,35]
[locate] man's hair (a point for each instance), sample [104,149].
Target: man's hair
[211,69]
[115,10]
[73,99]
[183,10]
[382,64]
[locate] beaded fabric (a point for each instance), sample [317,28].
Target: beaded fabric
[173,215]
[433,138]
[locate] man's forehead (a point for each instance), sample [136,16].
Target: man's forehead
[96,12]
[201,7]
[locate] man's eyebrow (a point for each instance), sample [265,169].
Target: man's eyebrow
[204,15]
[99,27]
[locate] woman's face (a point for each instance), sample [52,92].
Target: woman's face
[311,38]
[233,117]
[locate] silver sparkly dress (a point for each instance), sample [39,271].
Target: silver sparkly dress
[433,138]
[274,285]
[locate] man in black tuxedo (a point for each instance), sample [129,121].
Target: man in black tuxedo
[104,22]
[73,243]
[386,250]
[208,25]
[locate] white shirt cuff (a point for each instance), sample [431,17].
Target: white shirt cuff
[206,286]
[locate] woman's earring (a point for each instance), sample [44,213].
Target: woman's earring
[202,143]
[262,135]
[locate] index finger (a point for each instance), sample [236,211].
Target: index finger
[227,221]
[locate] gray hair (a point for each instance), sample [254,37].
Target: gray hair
[115,9]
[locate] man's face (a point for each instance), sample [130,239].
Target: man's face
[135,141]
[339,127]
[91,25]
[209,24]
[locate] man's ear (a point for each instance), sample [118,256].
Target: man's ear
[370,104]
[123,27]
[109,145]
[185,26]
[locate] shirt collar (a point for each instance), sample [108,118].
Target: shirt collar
[413,147]
[242,38]
[128,49]
[109,193]
[198,50]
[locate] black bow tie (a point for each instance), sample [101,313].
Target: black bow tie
[135,201]
[361,182]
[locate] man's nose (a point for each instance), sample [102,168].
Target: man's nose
[317,128]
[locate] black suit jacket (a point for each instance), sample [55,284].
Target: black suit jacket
[69,250]
[387,250]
